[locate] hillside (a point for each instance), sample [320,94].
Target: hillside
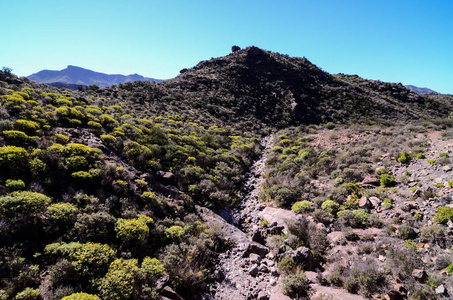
[247,176]
[76,76]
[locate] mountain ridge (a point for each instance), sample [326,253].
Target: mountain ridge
[73,75]
[421,90]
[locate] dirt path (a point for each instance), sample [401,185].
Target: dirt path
[247,270]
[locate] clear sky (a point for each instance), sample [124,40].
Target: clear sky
[407,41]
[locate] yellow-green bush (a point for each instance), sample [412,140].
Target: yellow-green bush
[28,294]
[81,296]
[15,136]
[152,267]
[26,126]
[61,211]
[108,139]
[23,203]
[119,282]
[174,232]
[93,258]
[132,230]
[15,184]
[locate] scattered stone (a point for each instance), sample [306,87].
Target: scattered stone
[441,290]
[375,201]
[274,271]
[446,168]
[263,269]
[256,248]
[312,276]
[420,275]
[401,289]
[262,295]
[254,258]
[393,295]
[365,203]
[254,270]
[336,237]
[370,180]
[218,275]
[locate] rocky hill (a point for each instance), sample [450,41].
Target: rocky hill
[261,88]
[251,176]
[76,76]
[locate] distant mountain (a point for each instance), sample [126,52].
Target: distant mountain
[420,90]
[75,76]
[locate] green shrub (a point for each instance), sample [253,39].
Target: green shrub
[15,136]
[323,216]
[28,294]
[302,207]
[387,203]
[354,218]
[444,154]
[94,125]
[449,269]
[406,232]
[286,265]
[387,180]
[330,206]
[339,181]
[61,138]
[420,156]
[23,203]
[15,184]
[152,267]
[433,234]
[81,296]
[131,230]
[119,282]
[82,175]
[92,259]
[62,249]
[404,157]
[432,162]
[61,211]
[26,125]
[444,214]
[295,285]
[12,156]
[108,139]
[174,232]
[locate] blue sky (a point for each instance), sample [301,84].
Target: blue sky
[405,41]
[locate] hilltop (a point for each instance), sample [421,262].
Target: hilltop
[74,76]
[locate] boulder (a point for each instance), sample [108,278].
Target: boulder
[365,203]
[256,248]
[419,275]
[218,275]
[254,270]
[370,180]
[278,296]
[393,295]
[262,295]
[441,290]
[301,255]
[170,293]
